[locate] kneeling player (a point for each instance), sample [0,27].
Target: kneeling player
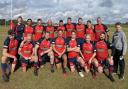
[9,54]
[59,48]
[43,50]
[102,56]
[74,59]
[26,51]
[88,53]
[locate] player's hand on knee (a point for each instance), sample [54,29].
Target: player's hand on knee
[15,59]
[42,53]
[90,61]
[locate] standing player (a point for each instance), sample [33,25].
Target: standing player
[9,55]
[19,28]
[102,56]
[90,31]
[74,58]
[11,25]
[61,27]
[119,51]
[89,53]
[80,32]
[69,28]
[100,28]
[28,28]
[50,29]
[43,50]
[59,48]
[26,51]
[38,32]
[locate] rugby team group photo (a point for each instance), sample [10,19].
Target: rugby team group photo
[82,47]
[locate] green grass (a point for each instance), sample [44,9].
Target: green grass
[47,80]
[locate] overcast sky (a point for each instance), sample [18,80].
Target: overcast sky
[110,10]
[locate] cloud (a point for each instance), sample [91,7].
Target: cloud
[110,10]
[4,4]
[106,3]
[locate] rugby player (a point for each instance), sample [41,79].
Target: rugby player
[102,55]
[61,27]
[19,28]
[43,50]
[69,28]
[39,29]
[26,52]
[74,54]
[50,28]
[80,32]
[89,53]
[90,31]
[100,28]
[29,29]
[9,57]
[59,48]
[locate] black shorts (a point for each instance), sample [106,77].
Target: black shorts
[45,58]
[104,63]
[10,60]
[59,60]
[24,61]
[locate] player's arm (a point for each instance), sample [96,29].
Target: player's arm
[47,51]
[33,53]
[5,49]
[36,49]
[106,32]
[64,50]
[64,46]
[54,49]
[77,49]
[72,49]
[93,56]
[5,53]
[21,46]
[24,30]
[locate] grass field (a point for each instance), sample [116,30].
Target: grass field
[48,80]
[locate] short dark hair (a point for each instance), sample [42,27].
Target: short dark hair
[98,17]
[118,23]
[60,30]
[69,18]
[79,18]
[20,17]
[61,21]
[11,32]
[47,32]
[29,19]
[103,33]
[89,21]
[39,19]
[73,31]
